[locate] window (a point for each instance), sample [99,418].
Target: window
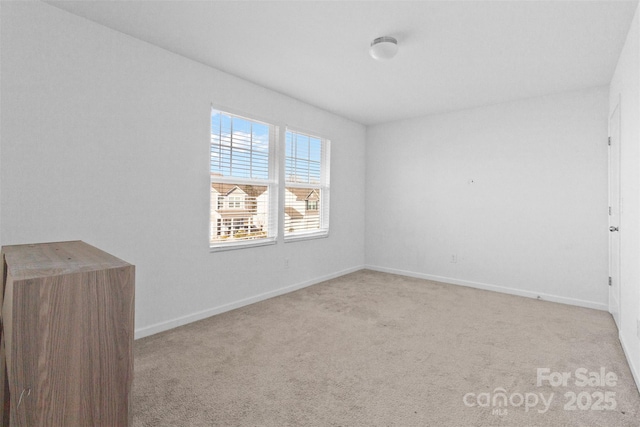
[244,191]
[306,204]
[235,202]
[243,187]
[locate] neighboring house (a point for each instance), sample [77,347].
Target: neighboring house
[301,211]
[238,211]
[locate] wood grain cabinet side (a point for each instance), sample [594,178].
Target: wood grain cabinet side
[67,336]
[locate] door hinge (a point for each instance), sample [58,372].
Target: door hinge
[609,210]
[609,280]
[609,141]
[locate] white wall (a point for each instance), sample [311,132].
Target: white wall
[105,139]
[625,88]
[516,191]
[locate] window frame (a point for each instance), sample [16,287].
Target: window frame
[323,186]
[276,187]
[271,183]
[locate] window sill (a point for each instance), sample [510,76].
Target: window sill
[306,236]
[241,245]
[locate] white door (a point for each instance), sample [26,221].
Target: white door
[614,214]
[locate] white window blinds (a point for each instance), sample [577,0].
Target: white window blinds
[239,147]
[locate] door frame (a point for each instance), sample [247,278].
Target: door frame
[615,211]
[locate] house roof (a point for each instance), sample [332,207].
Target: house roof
[250,190]
[304,193]
[293,213]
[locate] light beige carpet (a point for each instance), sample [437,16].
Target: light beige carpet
[375,349]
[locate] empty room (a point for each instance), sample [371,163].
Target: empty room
[320,213]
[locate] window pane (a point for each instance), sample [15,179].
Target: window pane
[239,212]
[239,147]
[303,159]
[301,210]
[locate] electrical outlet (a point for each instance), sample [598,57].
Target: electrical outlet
[286,263]
[454,258]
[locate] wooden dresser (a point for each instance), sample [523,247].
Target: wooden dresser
[67,336]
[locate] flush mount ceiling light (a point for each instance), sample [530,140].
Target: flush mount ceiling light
[383,48]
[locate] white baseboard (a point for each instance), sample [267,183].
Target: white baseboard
[183,320]
[632,365]
[495,288]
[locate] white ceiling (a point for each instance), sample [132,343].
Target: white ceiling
[452,54]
